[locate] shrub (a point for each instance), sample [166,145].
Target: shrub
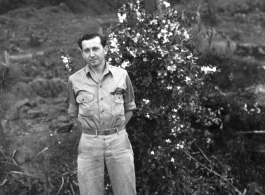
[169,130]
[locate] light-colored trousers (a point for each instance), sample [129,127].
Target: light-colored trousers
[116,151]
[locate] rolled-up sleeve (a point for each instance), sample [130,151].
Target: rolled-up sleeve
[129,103]
[73,105]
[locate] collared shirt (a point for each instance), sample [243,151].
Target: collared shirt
[100,104]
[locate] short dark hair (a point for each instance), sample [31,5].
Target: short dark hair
[103,40]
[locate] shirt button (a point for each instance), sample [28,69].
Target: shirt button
[101,98]
[100,86]
[102,110]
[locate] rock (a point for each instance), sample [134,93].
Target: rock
[40,100]
[15,127]
[12,113]
[41,128]
[24,90]
[59,100]
[23,111]
[63,119]
[21,157]
[23,102]
[65,128]
[36,113]
[48,87]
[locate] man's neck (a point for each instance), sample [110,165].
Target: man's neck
[98,71]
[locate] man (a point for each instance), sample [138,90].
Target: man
[101,99]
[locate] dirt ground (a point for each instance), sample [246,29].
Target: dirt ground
[34,37]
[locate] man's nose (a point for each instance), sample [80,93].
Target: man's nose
[91,53]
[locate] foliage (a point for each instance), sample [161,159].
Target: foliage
[169,130]
[8,74]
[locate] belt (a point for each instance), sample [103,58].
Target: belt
[103,132]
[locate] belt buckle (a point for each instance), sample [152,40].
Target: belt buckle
[96,134]
[107,132]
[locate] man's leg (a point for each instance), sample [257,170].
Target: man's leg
[120,163]
[90,163]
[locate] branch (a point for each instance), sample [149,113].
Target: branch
[210,170]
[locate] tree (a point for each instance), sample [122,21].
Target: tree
[8,77]
[171,119]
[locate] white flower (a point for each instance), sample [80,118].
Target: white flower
[168,140]
[146,101]
[145,60]
[246,107]
[154,21]
[122,17]
[164,31]
[180,146]
[207,69]
[135,39]
[113,42]
[174,110]
[172,159]
[169,87]
[152,152]
[125,64]
[186,35]
[189,56]
[187,79]
[166,40]
[139,16]
[166,4]
[65,60]
[147,115]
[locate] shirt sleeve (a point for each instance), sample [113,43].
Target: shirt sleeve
[73,105]
[129,103]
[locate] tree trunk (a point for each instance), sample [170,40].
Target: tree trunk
[212,11]
[2,137]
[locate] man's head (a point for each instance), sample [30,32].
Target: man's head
[93,49]
[103,40]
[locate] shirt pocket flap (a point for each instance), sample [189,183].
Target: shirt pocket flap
[117,98]
[84,98]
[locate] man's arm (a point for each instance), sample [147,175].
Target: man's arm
[128,116]
[129,105]
[73,106]
[77,122]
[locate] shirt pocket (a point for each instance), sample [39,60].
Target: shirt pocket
[117,105]
[86,104]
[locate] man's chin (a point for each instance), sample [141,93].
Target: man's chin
[93,64]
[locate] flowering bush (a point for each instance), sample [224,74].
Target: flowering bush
[170,122]
[67,61]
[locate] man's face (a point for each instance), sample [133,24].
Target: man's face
[93,52]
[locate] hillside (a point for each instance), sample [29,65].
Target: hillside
[35,33]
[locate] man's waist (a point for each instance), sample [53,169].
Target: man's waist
[103,131]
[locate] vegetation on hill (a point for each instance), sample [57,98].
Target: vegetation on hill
[210,141]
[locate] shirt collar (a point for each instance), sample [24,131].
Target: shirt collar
[108,68]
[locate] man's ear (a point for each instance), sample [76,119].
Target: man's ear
[106,49]
[81,51]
